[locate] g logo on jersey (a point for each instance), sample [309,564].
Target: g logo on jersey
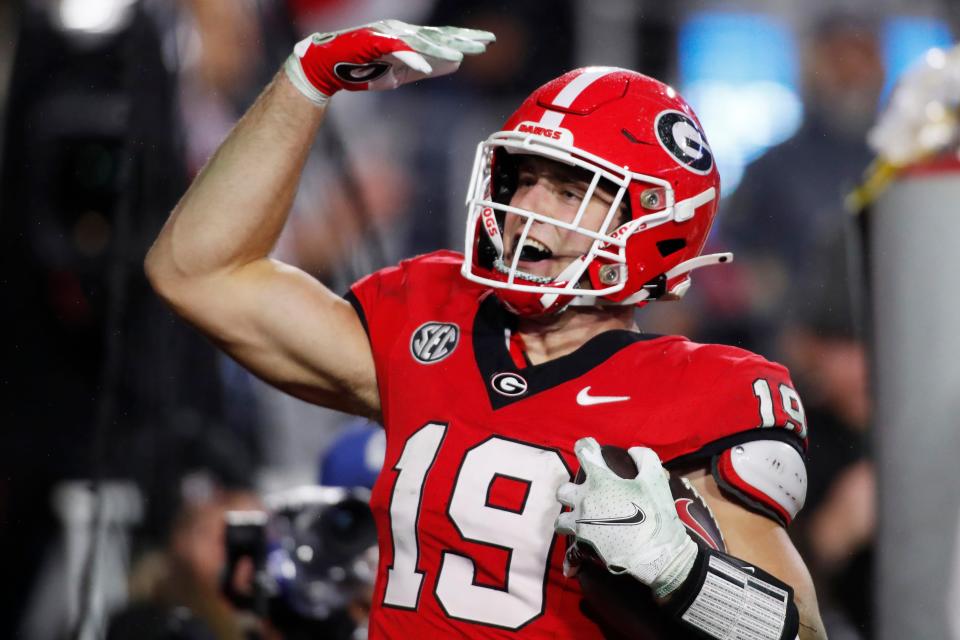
[434,341]
[684,141]
[509,384]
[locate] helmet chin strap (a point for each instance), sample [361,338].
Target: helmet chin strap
[683,268]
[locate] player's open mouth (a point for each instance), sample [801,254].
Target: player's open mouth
[532,250]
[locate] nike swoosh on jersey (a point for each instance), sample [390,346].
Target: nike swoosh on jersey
[634,518]
[585,399]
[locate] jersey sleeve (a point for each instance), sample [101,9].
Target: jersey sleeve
[739,396]
[380,301]
[751,426]
[386,300]
[375,296]
[766,472]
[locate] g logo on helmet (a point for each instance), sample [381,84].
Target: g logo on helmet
[434,341]
[680,136]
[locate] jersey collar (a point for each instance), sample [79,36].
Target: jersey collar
[493,357]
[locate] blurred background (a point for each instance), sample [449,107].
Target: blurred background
[127,437]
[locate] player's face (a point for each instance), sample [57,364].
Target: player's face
[556,190]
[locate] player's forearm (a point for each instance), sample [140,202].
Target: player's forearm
[758,540]
[775,553]
[811,626]
[235,209]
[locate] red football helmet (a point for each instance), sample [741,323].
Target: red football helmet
[640,140]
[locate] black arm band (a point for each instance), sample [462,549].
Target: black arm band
[725,597]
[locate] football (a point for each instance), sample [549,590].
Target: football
[619,604]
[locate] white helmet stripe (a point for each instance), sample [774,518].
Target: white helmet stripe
[553,119]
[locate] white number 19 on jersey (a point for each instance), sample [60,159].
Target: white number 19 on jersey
[526,533]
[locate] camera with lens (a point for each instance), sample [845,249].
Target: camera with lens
[306,565]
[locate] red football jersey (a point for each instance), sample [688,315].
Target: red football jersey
[477,446]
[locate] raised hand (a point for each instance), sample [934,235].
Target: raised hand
[377,56]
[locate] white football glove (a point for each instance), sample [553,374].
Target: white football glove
[380,55]
[632,524]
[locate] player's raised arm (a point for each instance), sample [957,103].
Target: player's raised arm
[210,261]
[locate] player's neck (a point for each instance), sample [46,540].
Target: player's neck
[552,337]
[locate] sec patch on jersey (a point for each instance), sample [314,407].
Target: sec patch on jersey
[618,603]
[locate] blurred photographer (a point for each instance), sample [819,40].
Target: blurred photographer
[174,590]
[306,565]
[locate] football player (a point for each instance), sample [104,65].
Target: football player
[497,372]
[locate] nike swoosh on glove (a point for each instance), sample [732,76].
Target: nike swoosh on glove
[631,523]
[377,56]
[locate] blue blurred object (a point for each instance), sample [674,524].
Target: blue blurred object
[740,72]
[355,457]
[737,48]
[905,40]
